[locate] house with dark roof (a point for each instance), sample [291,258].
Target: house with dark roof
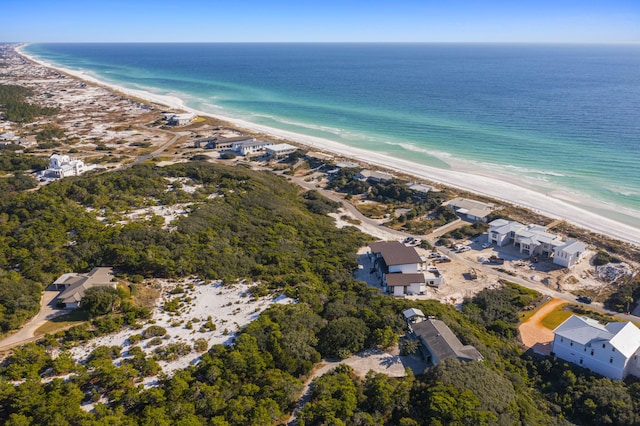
[611,350]
[401,269]
[437,340]
[74,285]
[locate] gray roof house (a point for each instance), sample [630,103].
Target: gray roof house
[438,341]
[611,350]
[74,285]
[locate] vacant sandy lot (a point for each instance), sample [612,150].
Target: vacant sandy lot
[536,336]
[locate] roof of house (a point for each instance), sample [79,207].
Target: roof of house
[464,203]
[572,247]
[395,253]
[347,165]
[420,187]
[367,174]
[413,312]
[78,284]
[624,336]
[281,147]
[251,143]
[441,341]
[505,226]
[404,279]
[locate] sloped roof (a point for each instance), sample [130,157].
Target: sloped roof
[442,343]
[572,247]
[465,203]
[624,336]
[404,279]
[395,253]
[413,312]
[79,284]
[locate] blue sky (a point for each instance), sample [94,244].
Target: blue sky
[548,21]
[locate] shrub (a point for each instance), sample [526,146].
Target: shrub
[154,331]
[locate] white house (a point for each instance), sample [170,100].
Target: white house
[475,211]
[250,146]
[374,176]
[74,285]
[179,119]
[280,150]
[534,240]
[401,269]
[437,340]
[62,165]
[405,284]
[394,257]
[610,350]
[569,253]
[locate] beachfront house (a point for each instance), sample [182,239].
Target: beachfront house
[472,210]
[611,350]
[62,166]
[569,253]
[250,146]
[437,340]
[280,150]
[181,119]
[420,190]
[534,240]
[74,285]
[374,176]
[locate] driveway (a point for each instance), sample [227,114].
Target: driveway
[27,332]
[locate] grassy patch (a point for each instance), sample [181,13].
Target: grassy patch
[145,295]
[59,323]
[373,211]
[556,317]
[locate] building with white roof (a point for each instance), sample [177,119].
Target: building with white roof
[471,209]
[62,166]
[534,240]
[280,150]
[250,146]
[569,253]
[374,176]
[610,350]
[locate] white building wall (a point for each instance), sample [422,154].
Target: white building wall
[604,361]
[410,268]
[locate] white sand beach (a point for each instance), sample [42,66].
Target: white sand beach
[556,205]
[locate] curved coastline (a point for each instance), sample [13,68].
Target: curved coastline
[551,205]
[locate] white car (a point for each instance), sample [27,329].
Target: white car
[486,245]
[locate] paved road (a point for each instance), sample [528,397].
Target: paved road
[163,147]
[27,332]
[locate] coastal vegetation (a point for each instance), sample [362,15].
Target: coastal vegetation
[14,105]
[248,224]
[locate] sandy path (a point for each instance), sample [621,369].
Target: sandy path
[536,336]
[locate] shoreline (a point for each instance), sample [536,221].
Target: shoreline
[494,187]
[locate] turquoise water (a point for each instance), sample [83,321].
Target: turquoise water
[555,117]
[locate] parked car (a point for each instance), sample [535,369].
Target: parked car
[584,299]
[463,249]
[496,260]
[486,245]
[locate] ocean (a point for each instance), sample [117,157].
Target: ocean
[563,120]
